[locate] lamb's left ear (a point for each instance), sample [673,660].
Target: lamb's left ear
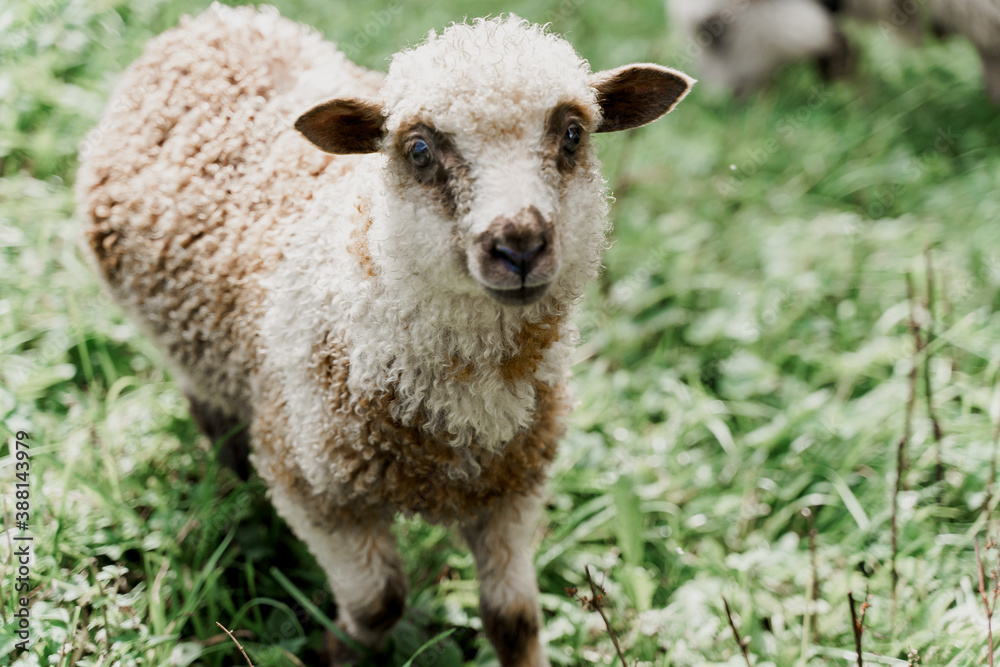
[344,126]
[637,94]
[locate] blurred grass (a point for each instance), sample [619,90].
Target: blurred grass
[744,376]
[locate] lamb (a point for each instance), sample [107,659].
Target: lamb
[979,21]
[380,287]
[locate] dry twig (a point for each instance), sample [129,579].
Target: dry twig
[236,641]
[596,603]
[736,633]
[857,624]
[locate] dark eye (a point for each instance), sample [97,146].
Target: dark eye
[420,153]
[574,134]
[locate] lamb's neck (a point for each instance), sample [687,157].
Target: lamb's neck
[457,365]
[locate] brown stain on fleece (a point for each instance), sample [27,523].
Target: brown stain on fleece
[530,345]
[359,236]
[460,370]
[381,467]
[512,631]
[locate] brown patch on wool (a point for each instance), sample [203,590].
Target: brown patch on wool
[512,631]
[558,123]
[416,465]
[447,174]
[359,236]
[459,370]
[275,460]
[102,240]
[382,467]
[531,342]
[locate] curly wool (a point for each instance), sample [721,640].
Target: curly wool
[379,467]
[527,68]
[456,363]
[195,173]
[265,268]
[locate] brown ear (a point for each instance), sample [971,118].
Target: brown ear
[633,95]
[344,126]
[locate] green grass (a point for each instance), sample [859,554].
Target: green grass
[744,378]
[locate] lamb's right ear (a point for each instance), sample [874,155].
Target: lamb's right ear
[344,126]
[637,94]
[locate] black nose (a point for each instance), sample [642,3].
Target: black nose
[518,262]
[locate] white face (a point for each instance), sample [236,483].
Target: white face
[486,213]
[491,186]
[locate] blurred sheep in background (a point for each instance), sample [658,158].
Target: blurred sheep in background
[979,22]
[741,44]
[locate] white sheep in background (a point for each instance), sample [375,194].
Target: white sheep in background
[979,21]
[741,44]
[390,315]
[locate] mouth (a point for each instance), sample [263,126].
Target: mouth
[518,296]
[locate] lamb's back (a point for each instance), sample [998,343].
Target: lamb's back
[195,175]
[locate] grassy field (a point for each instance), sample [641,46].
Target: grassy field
[753,374]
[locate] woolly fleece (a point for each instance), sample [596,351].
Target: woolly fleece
[319,297]
[193,177]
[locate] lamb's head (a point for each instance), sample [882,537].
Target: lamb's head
[485,129]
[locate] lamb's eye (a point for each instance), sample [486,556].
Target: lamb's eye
[420,153]
[574,134]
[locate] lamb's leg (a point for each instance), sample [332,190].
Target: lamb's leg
[362,565]
[508,602]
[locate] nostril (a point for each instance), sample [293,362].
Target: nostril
[518,262]
[531,254]
[511,259]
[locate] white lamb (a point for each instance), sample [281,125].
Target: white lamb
[390,315]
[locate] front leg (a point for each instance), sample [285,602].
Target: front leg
[500,540]
[362,566]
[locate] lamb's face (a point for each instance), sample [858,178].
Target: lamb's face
[499,199]
[492,187]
